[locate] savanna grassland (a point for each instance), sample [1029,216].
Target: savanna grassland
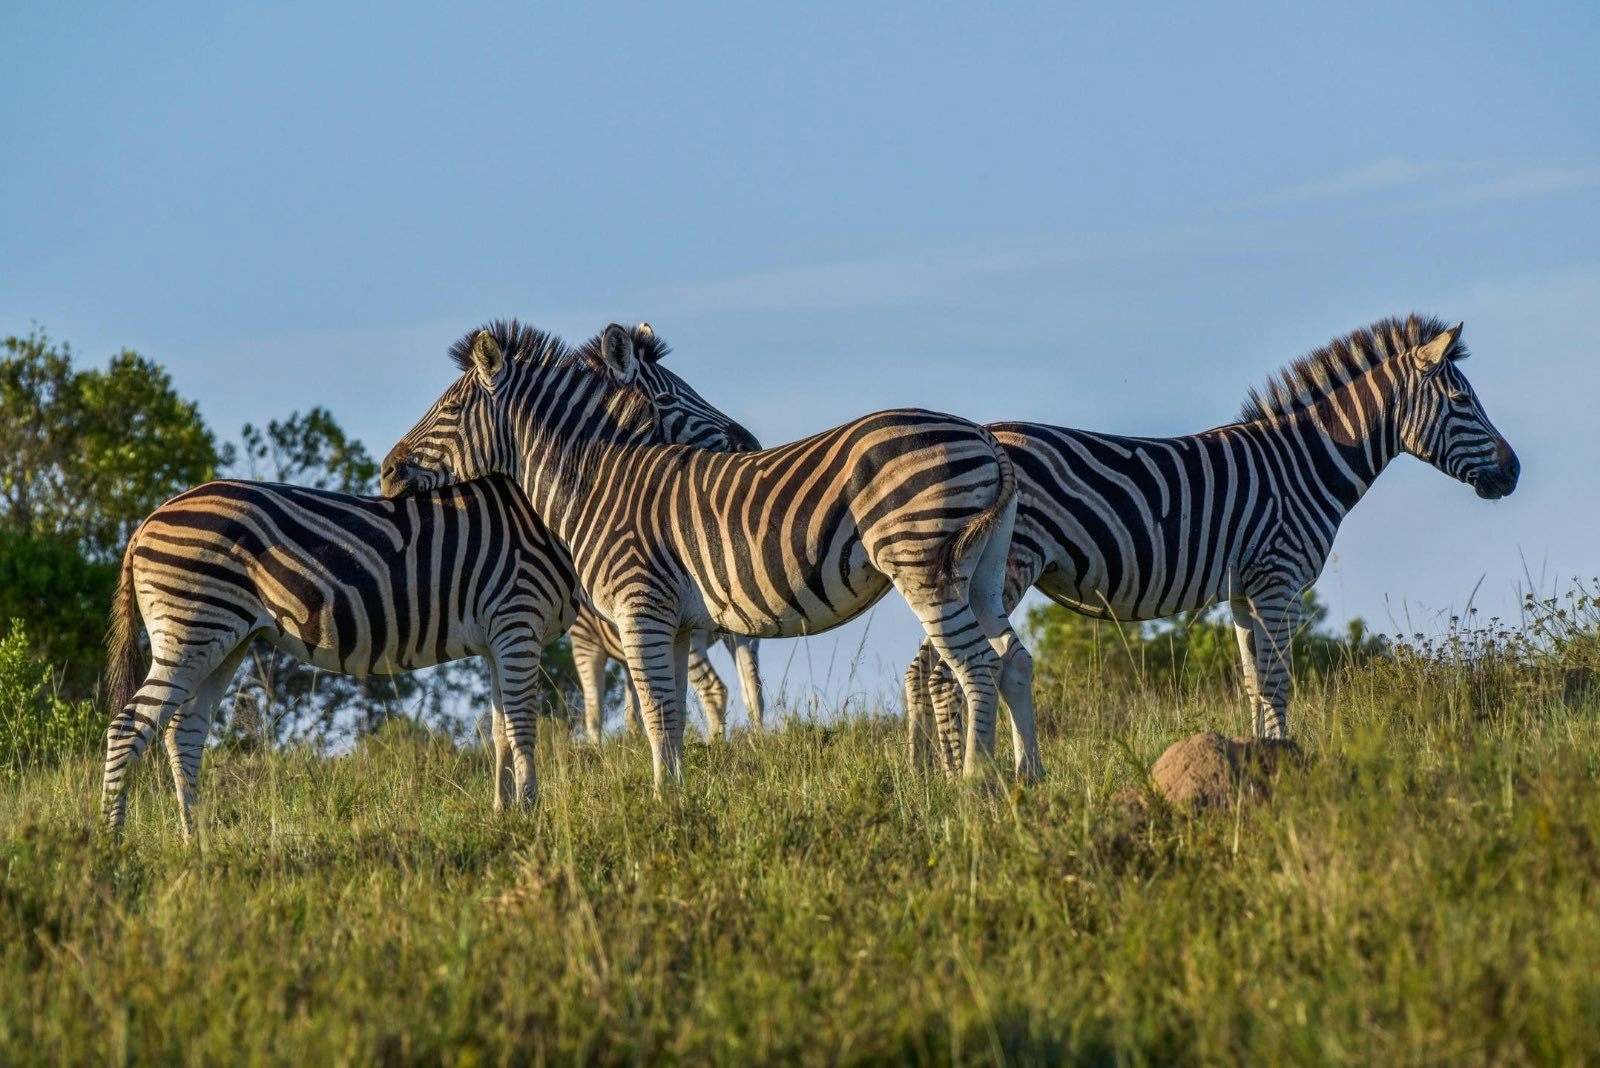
[1425,889]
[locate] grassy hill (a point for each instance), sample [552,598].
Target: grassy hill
[1425,890]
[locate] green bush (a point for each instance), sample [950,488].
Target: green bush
[36,725]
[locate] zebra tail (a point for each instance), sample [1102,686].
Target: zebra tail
[125,659]
[956,547]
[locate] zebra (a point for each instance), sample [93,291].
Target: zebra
[781,542]
[358,585]
[596,641]
[1132,528]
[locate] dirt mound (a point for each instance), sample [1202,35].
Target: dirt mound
[1208,771]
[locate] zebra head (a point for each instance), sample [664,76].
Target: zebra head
[523,389]
[1443,423]
[683,416]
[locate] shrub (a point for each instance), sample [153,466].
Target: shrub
[36,725]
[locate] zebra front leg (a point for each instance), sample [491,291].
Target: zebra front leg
[589,660]
[1264,627]
[708,685]
[635,716]
[745,656]
[948,716]
[514,684]
[919,708]
[652,650]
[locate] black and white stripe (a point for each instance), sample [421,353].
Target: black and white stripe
[1135,528]
[596,641]
[357,585]
[780,542]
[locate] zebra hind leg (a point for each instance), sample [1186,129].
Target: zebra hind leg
[962,644]
[173,678]
[988,596]
[186,736]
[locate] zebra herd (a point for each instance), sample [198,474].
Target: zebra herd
[553,485]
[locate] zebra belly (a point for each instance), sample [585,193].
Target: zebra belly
[1066,591]
[810,617]
[360,658]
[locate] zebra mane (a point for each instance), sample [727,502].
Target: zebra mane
[528,344]
[648,346]
[1304,382]
[518,341]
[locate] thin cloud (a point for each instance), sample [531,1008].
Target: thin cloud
[1532,182]
[1379,174]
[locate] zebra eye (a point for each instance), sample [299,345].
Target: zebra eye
[666,400]
[1457,396]
[450,408]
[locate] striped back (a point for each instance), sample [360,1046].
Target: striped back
[358,585]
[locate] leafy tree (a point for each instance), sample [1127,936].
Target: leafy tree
[85,454]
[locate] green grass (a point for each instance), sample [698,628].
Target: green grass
[1424,891]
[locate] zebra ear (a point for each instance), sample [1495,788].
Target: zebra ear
[1433,353]
[616,351]
[487,359]
[647,345]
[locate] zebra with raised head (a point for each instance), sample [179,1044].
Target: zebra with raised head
[1133,528]
[780,542]
[357,585]
[596,642]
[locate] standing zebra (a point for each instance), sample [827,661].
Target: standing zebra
[1138,528]
[781,542]
[357,585]
[596,641]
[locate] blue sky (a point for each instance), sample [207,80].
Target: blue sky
[1107,218]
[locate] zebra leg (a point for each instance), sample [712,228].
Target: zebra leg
[945,693]
[745,656]
[962,644]
[919,707]
[186,736]
[988,596]
[505,780]
[652,649]
[918,710]
[1264,627]
[171,681]
[708,685]
[635,716]
[590,662]
[514,680]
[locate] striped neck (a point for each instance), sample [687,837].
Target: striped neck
[1349,435]
[559,439]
